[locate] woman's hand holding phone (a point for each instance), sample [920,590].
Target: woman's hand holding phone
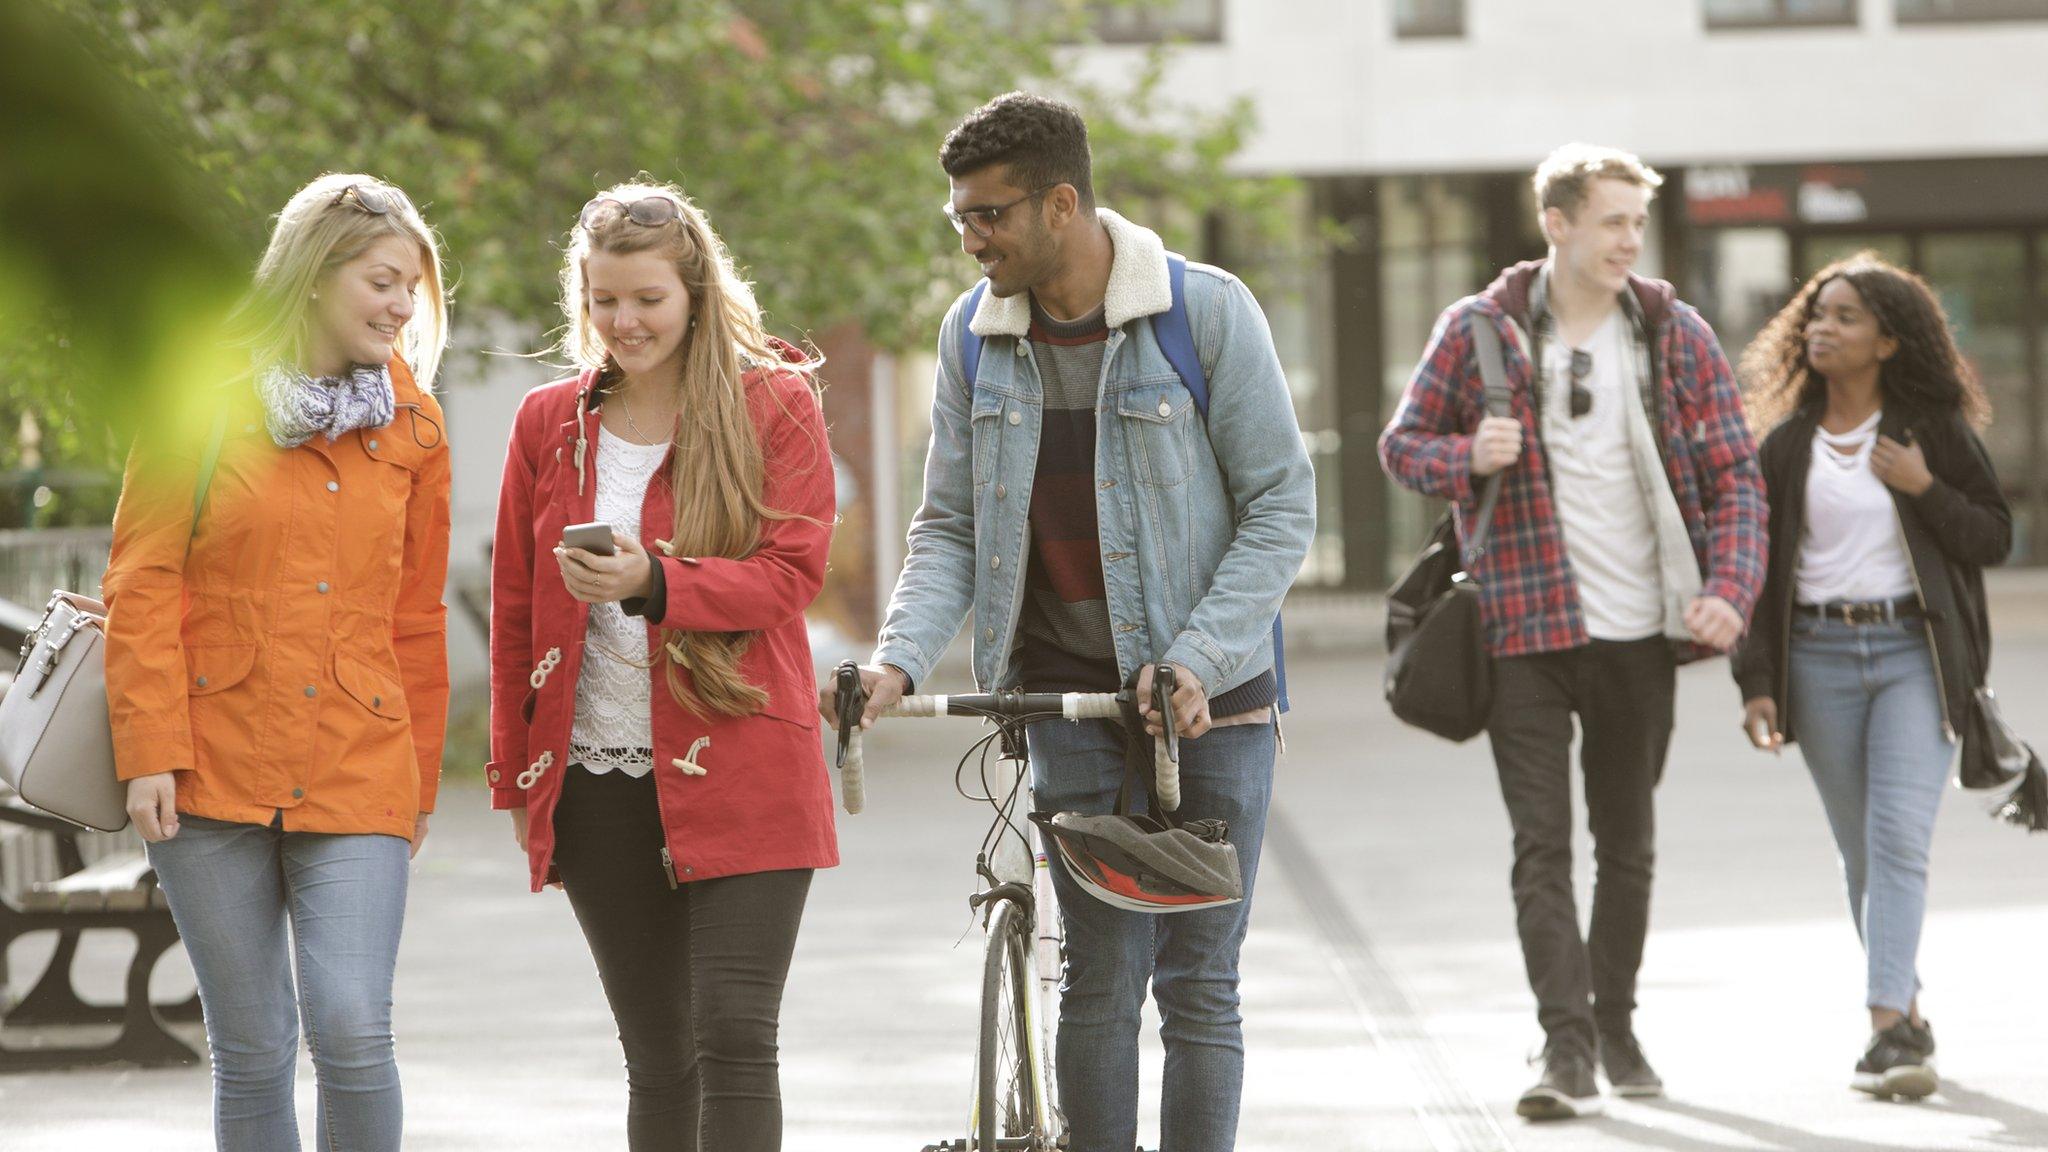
[597,579]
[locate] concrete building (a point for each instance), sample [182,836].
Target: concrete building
[1790,131]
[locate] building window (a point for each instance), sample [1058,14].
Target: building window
[1415,18]
[1780,13]
[1150,21]
[1962,11]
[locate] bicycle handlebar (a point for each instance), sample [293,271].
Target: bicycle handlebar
[851,700]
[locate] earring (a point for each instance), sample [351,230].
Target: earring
[316,296]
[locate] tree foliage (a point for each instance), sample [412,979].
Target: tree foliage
[808,129]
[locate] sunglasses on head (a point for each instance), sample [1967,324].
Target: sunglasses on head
[368,197]
[648,211]
[1582,396]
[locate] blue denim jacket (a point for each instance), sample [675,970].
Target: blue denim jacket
[1203,525]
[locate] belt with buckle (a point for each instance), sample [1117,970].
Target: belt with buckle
[1866,611]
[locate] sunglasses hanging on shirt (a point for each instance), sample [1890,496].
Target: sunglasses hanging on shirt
[1582,396]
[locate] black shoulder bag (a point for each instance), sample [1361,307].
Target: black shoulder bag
[1439,674]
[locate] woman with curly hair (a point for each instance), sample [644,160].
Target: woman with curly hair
[1870,635]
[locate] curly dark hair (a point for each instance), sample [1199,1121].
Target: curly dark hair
[1044,141]
[1926,376]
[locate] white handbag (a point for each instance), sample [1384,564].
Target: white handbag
[56,743]
[56,747]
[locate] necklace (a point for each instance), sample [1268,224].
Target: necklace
[626,408]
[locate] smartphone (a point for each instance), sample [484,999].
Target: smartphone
[594,537]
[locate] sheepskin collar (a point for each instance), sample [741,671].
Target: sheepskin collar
[1138,285]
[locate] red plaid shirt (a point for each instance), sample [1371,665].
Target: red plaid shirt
[1528,596]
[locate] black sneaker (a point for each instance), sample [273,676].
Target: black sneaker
[1898,1062]
[1628,1071]
[1567,1088]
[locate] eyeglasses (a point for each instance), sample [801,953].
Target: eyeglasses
[368,197]
[648,212]
[983,220]
[1582,396]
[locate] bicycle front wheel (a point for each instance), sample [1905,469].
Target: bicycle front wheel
[1010,1112]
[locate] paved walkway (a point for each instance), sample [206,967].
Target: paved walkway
[1384,996]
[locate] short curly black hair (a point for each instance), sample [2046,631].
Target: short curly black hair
[1044,141]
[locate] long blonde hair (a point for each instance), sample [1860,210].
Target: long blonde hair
[320,229]
[718,474]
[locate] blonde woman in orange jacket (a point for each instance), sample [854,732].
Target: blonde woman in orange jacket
[277,670]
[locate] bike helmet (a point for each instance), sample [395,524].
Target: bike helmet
[1140,865]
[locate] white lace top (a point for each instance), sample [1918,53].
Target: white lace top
[614,725]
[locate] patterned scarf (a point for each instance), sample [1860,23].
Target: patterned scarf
[297,407]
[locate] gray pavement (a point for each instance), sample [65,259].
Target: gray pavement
[1384,997]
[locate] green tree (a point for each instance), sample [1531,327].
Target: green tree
[807,128]
[115,268]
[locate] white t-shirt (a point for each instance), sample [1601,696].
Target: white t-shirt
[614,725]
[1850,547]
[1608,534]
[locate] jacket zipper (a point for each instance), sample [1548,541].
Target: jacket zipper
[1933,646]
[668,867]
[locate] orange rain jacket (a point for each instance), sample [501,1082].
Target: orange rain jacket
[295,660]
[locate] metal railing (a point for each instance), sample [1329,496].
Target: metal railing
[37,561]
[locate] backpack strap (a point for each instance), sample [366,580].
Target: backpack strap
[208,461]
[1493,372]
[970,344]
[1176,336]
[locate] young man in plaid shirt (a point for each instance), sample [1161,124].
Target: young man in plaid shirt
[1629,538]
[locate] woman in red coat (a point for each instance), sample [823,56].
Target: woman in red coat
[653,720]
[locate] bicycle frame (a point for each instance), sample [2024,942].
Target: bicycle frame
[1019,891]
[1034,902]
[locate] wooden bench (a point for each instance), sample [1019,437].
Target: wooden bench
[117,891]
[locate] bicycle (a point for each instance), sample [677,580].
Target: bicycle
[1013,1107]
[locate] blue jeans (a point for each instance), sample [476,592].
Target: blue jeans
[1188,958]
[233,889]
[1866,711]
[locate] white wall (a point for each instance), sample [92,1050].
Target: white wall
[1336,92]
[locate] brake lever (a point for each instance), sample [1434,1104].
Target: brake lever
[1163,685]
[850,699]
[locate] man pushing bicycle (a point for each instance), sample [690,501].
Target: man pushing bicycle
[1116,479]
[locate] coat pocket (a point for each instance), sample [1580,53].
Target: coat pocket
[989,411]
[1155,420]
[214,668]
[378,691]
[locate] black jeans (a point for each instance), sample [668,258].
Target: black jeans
[694,974]
[1623,694]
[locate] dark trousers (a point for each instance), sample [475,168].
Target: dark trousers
[1623,695]
[694,974]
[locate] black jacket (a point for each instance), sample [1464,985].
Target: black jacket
[1953,531]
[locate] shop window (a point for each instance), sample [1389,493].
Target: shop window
[1980,278]
[1290,274]
[1824,248]
[1741,277]
[1418,18]
[1151,21]
[1964,11]
[1778,13]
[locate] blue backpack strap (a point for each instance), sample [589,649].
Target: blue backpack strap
[1176,337]
[970,344]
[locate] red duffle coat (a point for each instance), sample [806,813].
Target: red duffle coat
[763,801]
